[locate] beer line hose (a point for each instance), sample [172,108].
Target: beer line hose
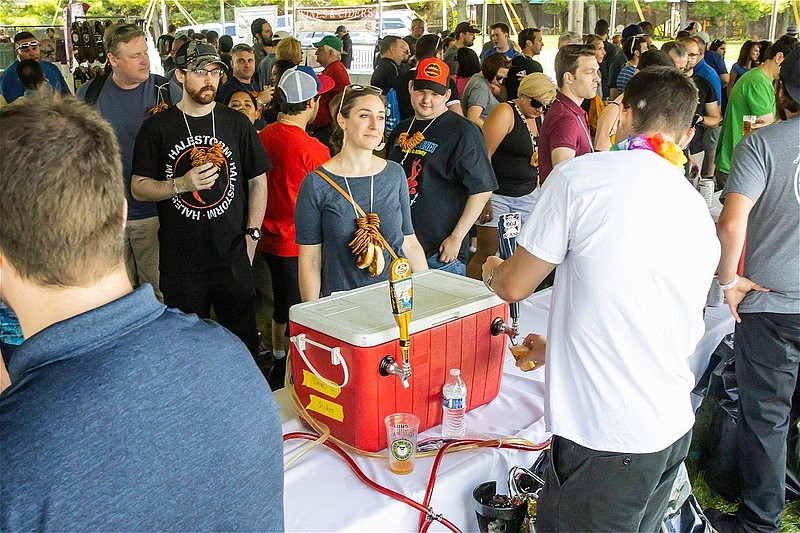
[427,516]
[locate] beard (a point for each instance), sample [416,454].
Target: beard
[204,95]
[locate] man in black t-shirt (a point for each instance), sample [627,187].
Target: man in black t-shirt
[394,51]
[428,46]
[450,177]
[530,39]
[205,166]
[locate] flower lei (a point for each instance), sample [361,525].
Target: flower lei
[666,149]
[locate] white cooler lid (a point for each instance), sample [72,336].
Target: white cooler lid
[363,316]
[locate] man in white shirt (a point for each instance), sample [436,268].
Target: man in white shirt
[636,250]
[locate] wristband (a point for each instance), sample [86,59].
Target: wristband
[175,187]
[732,284]
[488,281]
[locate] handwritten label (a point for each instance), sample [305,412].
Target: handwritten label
[313,382]
[325,407]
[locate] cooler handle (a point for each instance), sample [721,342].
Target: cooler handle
[300,342]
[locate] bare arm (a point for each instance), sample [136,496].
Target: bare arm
[498,124]
[455,107]
[711,118]
[606,126]
[559,155]
[147,189]
[518,276]
[309,264]
[731,231]
[413,251]
[474,114]
[448,249]
[724,79]
[731,81]
[257,205]
[764,120]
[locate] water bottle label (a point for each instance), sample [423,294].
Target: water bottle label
[454,403]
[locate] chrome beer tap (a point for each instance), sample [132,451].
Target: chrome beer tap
[508,227]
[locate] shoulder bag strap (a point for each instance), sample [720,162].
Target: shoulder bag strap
[341,191]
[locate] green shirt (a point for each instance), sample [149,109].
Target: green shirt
[752,95]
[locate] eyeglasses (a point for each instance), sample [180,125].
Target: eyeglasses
[356,87]
[536,104]
[29,44]
[693,55]
[202,73]
[499,79]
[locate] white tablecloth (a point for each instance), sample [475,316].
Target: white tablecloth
[322,493]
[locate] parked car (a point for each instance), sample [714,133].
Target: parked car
[230,28]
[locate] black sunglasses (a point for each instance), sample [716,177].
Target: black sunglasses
[536,104]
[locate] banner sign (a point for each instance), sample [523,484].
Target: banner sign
[326,19]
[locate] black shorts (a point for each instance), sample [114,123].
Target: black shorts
[285,285]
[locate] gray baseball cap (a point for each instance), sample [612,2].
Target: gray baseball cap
[300,84]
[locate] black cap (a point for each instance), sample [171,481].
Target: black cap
[465,27]
[195,55]
[790,74]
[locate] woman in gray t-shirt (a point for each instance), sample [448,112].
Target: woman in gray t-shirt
[326,221]
[485,89]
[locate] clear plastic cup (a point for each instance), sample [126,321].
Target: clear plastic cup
[401,431]
[519,351]
[747,123]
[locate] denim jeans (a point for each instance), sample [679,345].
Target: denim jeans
[456,267]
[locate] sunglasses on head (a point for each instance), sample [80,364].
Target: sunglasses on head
[29,44]
[355,87]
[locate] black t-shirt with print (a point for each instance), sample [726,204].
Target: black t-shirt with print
[705,95]
[442,171]
[200,230]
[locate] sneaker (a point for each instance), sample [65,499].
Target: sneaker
[721,522]
[278,374]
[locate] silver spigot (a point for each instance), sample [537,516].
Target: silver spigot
[389,366]
[499,327]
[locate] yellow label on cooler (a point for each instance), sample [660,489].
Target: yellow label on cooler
[325,407]
[313,382]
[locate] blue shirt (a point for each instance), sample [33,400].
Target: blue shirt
[125,110]
[715,61]
[703,69]
[624,77]
[12,88]
[510,54]
[136,417]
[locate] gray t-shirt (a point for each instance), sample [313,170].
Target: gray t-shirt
[765,168]
[125,110]
[265,69]
[478,92]
[449,57]
[323,216]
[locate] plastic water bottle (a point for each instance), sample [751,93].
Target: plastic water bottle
[454,406]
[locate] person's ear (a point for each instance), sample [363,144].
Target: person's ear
[779,57]
[180,75]
[687,137]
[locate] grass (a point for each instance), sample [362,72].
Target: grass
[705,496]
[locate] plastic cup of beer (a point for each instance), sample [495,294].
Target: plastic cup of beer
[401,432]
[747,123]
[519,351]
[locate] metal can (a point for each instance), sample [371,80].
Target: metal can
[706,188]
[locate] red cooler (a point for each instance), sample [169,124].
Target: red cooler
[345,337]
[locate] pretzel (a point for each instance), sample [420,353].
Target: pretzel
[213,155]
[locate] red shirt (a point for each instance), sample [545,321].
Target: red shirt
[565,125]
[293,154]
[338,72]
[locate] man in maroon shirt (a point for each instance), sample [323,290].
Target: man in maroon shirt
[565,131]
[329,55]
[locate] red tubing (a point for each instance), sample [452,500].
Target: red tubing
[380,488]
[424,522]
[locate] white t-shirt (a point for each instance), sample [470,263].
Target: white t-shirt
[637,249]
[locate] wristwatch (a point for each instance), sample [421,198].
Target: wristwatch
[255,233]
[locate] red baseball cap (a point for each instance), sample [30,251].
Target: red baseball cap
[432,73]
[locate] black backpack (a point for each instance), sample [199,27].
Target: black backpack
[160,87]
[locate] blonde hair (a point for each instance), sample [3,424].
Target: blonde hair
[539,86]
[290,49]
[592,39]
